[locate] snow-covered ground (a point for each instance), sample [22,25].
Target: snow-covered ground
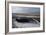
[25,25]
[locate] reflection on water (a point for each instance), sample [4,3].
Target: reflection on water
[24,22]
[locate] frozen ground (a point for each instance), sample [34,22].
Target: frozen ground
[25,25]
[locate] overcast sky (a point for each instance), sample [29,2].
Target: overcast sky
[30,10]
